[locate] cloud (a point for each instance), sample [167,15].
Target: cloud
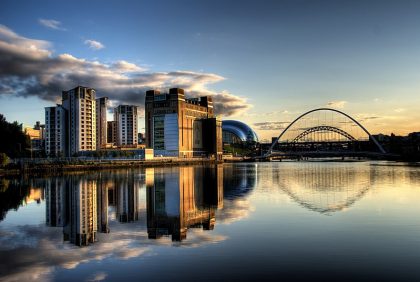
[399,110]
[366,117]
[125,67]
[52,24]
[93,44]
[229,105]
[337,104]
[271,125]
[28,68]
[98,276]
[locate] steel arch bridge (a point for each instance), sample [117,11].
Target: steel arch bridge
[319,128]
[323,128]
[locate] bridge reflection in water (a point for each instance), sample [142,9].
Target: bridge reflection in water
[325,188]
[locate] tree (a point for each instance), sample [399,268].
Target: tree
[13,142]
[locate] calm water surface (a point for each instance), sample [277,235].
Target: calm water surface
[289,221]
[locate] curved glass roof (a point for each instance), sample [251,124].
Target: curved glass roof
[240,129]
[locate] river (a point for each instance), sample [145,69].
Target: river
[289,221]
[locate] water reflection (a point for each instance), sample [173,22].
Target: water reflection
[131,219]
[325,189]
[183,198]
[176,199]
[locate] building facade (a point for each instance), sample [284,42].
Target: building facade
[125,117]
[55,131]
[80,104]
[111,133]
[174,124]
[101,124]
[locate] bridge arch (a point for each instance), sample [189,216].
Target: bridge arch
[381,149]
[324,128]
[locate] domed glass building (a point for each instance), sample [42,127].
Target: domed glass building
[236,132]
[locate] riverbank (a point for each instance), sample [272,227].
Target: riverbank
[59,166]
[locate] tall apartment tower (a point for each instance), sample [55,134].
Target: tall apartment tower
[81,111]
[101,124]
[125,117]
[177,126]
[55,131]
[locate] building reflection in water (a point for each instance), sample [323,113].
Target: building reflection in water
[81,212]
[127,199]
[178,198]
[55,199]
[182,198]
[239,180]
[102,187]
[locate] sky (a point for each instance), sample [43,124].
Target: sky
[264,62]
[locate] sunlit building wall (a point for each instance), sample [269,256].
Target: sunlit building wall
[181,127]
[80,104]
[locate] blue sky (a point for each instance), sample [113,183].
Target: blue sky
[271,60]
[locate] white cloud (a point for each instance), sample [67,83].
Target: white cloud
[337,104]
[93,44]
[28,67]
[124,67]
[52,24]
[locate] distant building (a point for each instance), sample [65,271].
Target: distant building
[101,124]
[181,127]
[81,110]
[37,137]
[111,133]
[125,117]
[55,131]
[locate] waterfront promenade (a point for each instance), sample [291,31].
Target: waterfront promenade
[45,165]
